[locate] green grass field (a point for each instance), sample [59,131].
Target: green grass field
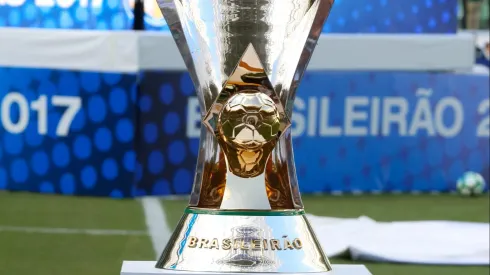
[65,248]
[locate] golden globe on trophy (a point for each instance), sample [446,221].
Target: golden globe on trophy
[246,59]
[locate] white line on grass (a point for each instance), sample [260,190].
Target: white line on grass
[156,221]
[79,231]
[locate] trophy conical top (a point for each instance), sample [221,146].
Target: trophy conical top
[212,36]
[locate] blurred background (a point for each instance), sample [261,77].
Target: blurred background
[100,132]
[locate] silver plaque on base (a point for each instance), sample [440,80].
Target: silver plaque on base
[246,59]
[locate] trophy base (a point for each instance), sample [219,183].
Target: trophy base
[227,241]
[148,268]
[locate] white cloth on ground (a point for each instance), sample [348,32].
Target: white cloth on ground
[417,242]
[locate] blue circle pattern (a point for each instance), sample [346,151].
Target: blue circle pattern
[129,161]
[361,165]
[103,139]
[155,162]
[61,155]
[118,101]
[82,147]
[177,152]
[97,108]
[110,169]
[68,83]
[46,87]
[81,14]
[163,159]
[404,164]
[112,79]
[88,177]
[46,188]
[12,143]
[30,12]
[346,16]
[67,184]
[171,123]
[90,82]
[125,130]
[19,170]
[166,166]
[98,151]
[40,163]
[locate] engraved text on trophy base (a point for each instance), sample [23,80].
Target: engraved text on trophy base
[240,244]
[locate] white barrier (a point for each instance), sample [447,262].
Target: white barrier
[99,51]
[128,51]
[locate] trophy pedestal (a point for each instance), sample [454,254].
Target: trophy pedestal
[244,242]
[148,268]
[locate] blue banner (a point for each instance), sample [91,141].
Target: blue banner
[67,132]
[362,16]
[353,132]
[123,135]
[384,16]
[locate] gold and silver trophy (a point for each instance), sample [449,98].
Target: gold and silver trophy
[246,59]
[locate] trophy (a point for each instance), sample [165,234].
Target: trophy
[246,59]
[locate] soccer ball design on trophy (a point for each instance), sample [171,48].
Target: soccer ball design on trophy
[246,59]
[248,122]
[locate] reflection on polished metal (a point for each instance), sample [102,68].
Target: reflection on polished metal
[234,241]
[246,59]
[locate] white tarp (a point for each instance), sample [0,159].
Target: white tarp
[418,242]
[98,51]
[396,52]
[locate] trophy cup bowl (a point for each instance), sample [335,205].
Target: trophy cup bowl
[246,59]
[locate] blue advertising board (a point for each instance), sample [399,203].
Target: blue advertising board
[124,135]
[352,131]
[67,132]
[362,16]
